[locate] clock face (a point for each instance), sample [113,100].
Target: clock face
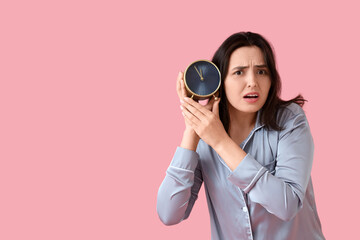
[202,78]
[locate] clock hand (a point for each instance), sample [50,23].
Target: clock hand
[197,71]
[200,74]
[202,78]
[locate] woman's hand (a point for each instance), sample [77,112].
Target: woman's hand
[204,120]
[182,93]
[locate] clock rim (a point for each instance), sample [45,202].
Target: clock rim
[202,96]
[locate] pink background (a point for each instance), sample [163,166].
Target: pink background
[90,118]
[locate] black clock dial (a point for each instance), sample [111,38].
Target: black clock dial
[202,78]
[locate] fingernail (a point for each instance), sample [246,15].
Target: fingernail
[181,107]
[181,101]
[186,98]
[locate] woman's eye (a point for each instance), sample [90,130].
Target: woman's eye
[238,73]
[262,72]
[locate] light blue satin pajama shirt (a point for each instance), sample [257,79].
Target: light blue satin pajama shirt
[268,196]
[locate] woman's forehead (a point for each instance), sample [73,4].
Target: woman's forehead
[247,55]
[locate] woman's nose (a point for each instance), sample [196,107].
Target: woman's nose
[251,80]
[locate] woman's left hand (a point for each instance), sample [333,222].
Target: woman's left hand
[206,123]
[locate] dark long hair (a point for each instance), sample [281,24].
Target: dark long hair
[273,102]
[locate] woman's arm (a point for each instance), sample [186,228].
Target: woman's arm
[281,194]
[179,189]
[190,140]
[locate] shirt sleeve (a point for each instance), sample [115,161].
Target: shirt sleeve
[281,194]
[179,189]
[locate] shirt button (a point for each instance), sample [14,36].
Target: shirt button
[245,209]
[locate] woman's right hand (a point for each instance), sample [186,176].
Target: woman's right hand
[190,138]
[181,91]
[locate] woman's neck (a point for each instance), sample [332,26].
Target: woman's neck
[241,122]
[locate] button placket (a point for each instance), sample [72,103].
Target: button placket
[247,216]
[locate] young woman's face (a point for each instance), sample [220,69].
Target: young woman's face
[247,83]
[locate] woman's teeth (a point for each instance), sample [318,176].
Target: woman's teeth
[251,96]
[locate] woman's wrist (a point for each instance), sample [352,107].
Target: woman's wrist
[230,152]
[190,140]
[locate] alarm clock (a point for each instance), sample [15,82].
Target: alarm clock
[202,79]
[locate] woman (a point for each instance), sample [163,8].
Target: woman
[252,150]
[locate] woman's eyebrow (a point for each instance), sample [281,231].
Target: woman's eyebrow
[261,66]
[239,67]
[243,67]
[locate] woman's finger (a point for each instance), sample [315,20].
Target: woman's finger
[215,108]
[196,105]
[190,115]
[194,111]
[214,100]
[189,122]
[178,85]
[183,89]
[210,103]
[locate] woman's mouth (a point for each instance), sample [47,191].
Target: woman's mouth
[251,97]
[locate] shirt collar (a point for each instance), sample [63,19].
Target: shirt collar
[258,124]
